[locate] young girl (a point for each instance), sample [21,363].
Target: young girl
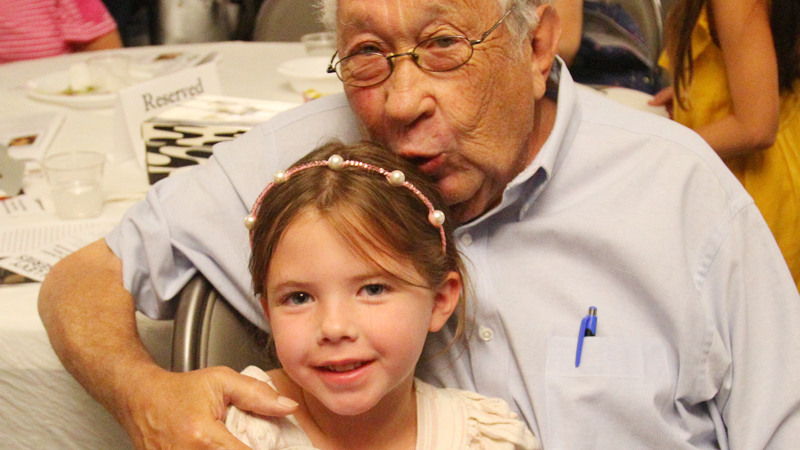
[355,264]
[736,81]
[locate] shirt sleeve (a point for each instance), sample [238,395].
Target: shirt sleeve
[84,20]
[492,425]
[754,362]
[194,221]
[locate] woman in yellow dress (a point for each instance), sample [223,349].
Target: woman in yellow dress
[736,81]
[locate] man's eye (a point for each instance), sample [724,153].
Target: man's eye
[444,41]
[373,289]
[365,49]
[297,298]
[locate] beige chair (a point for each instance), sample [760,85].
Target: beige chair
[286,20]
[209,332]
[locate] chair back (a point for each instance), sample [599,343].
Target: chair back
[286,20]
[648,15]
[209,332]
[189,21]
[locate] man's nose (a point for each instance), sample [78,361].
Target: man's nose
[407,92]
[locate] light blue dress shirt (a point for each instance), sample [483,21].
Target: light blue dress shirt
[697,343]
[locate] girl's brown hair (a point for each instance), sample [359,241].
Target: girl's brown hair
[681,21]
[372,216]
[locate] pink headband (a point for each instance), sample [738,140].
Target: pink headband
[336,162]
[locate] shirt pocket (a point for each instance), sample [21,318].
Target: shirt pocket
[613,400]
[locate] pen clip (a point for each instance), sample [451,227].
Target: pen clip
[588,328]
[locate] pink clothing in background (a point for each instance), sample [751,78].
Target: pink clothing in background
[38,28]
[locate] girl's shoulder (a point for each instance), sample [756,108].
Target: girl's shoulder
[468,420]
[266,433]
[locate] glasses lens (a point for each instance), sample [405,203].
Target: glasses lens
[363,70]
[443,53]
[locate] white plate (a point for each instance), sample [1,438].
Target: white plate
[51,87]
[630,97]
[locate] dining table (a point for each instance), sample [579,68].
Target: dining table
[41,405]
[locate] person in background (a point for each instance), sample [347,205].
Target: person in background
[354,263]
[571,14]
[31,29]
[736,81]
[565,200]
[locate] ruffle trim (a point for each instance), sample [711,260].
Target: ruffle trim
[491,425]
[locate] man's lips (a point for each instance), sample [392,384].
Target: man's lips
[430,166]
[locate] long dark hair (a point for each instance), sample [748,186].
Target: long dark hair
[784,23]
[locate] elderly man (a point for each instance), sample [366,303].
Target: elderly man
[567,201]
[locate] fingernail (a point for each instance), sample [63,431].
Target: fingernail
[287,402]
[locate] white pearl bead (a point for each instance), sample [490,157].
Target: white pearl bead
[436,218]
[249,221]
[396,178]
[335,162]
[279,177]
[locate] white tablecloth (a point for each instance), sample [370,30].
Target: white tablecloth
[41,406]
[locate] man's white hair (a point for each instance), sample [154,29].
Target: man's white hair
[521,21]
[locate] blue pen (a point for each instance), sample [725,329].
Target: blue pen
[588,328]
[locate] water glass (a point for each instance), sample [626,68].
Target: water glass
[319,44]
[75,180]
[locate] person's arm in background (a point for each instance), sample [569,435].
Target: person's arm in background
[107,41]
[571,14]
[87,25]
[753,76]
[90,319]
[744,35]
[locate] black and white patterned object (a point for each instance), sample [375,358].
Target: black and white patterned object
[172,147]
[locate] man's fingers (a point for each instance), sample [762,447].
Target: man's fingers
[187,410]
[249,394]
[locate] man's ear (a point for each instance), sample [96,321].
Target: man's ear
[445,300]
[544,45]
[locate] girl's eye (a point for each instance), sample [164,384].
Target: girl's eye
[297,298]
[373,289]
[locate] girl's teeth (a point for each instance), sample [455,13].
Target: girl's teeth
[344,368]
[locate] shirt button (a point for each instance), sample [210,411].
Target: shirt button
[466,239]
[486,334]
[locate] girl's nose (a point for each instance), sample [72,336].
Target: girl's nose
[336,323]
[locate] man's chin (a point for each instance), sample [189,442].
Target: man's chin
[464,210]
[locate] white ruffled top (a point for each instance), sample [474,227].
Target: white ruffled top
[446,419]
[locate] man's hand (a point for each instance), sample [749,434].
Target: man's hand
[187,410]
[92,326]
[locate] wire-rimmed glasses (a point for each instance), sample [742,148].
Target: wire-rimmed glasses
[437,54]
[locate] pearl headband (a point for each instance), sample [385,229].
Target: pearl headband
[336,162]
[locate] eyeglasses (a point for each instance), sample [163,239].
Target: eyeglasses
[437,54]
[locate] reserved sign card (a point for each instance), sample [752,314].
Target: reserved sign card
[140,102]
